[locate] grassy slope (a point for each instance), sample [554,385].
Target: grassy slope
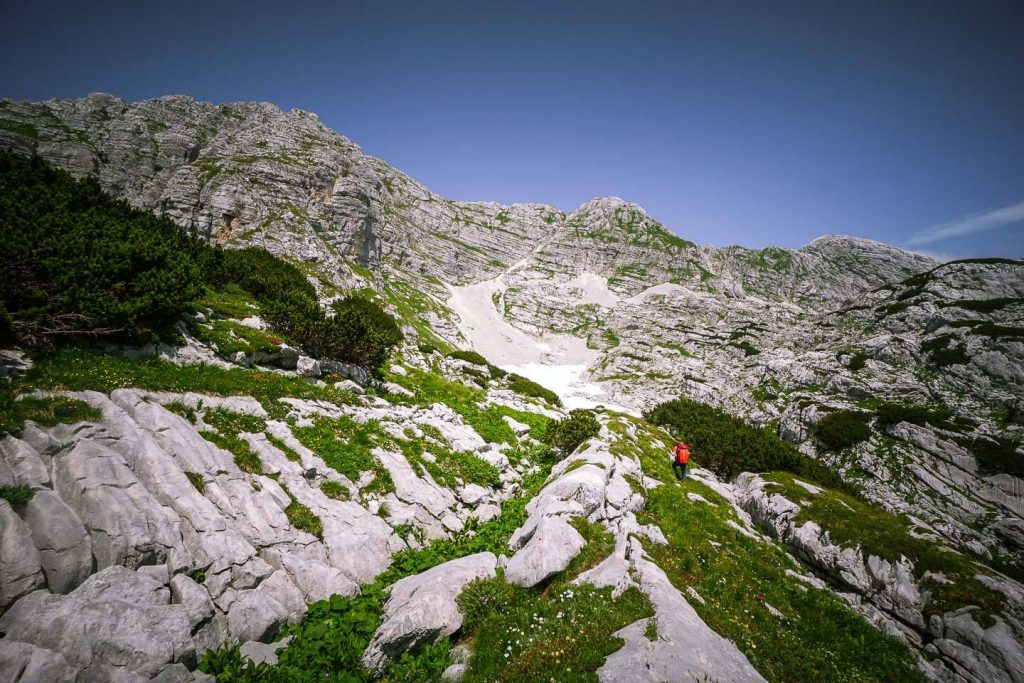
[819,640]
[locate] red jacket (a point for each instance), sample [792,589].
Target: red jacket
[682,453]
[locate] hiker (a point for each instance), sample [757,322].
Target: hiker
[680,458]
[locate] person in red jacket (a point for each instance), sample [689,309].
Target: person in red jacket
[680,458]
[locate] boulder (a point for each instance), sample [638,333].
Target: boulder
[422,608]
[118,621]
[63,544]
[307,367]
[25,462]
[26,663]
[21,570]
[126,524]
[550,548]
[261,612]
[192,597]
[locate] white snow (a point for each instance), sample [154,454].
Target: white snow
[557,361]
[593,289]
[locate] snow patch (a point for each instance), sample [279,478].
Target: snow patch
[556,361]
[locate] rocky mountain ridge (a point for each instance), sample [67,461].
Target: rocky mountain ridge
[604,305]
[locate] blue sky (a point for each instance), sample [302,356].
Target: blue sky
[752,123]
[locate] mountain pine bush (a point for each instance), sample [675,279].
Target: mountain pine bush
[568,433]
[843,428]
[727,445]
[79,265]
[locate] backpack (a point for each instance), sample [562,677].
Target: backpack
[682,453]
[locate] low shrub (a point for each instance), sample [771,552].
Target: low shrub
[527,387]
[468,356]
[843,428]
[79,265]
[17,495]
[727,445]
[890,413]
[996,455]
[857,361]
[568,433]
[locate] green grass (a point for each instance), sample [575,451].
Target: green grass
[230,301]
[280,445]
[44,411]
[430,388]
[179,408]
[301,517]
[330,642]
[230,337]
[851,522]
[346,446]
[335,490]
[227,421]
[820,640]
[246,460]
[197,481]
[554,631]
[79,370]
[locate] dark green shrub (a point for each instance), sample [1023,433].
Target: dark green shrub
[727,445]
[941,354]
[857,361]
[843,428]
[946,357]
[568,433]
[360,332]
[996,455]
[527,387]
[468,356]
[427,349]
[747,348]
[77,264]
[893,413]
[18,495]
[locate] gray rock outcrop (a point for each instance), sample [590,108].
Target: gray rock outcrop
[422,608]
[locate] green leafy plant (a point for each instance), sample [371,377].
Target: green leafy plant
[568,433]
[843,428]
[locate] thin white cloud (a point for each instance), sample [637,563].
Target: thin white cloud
[941,256]
[969,225]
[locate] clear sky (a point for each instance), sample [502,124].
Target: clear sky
[731,122]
